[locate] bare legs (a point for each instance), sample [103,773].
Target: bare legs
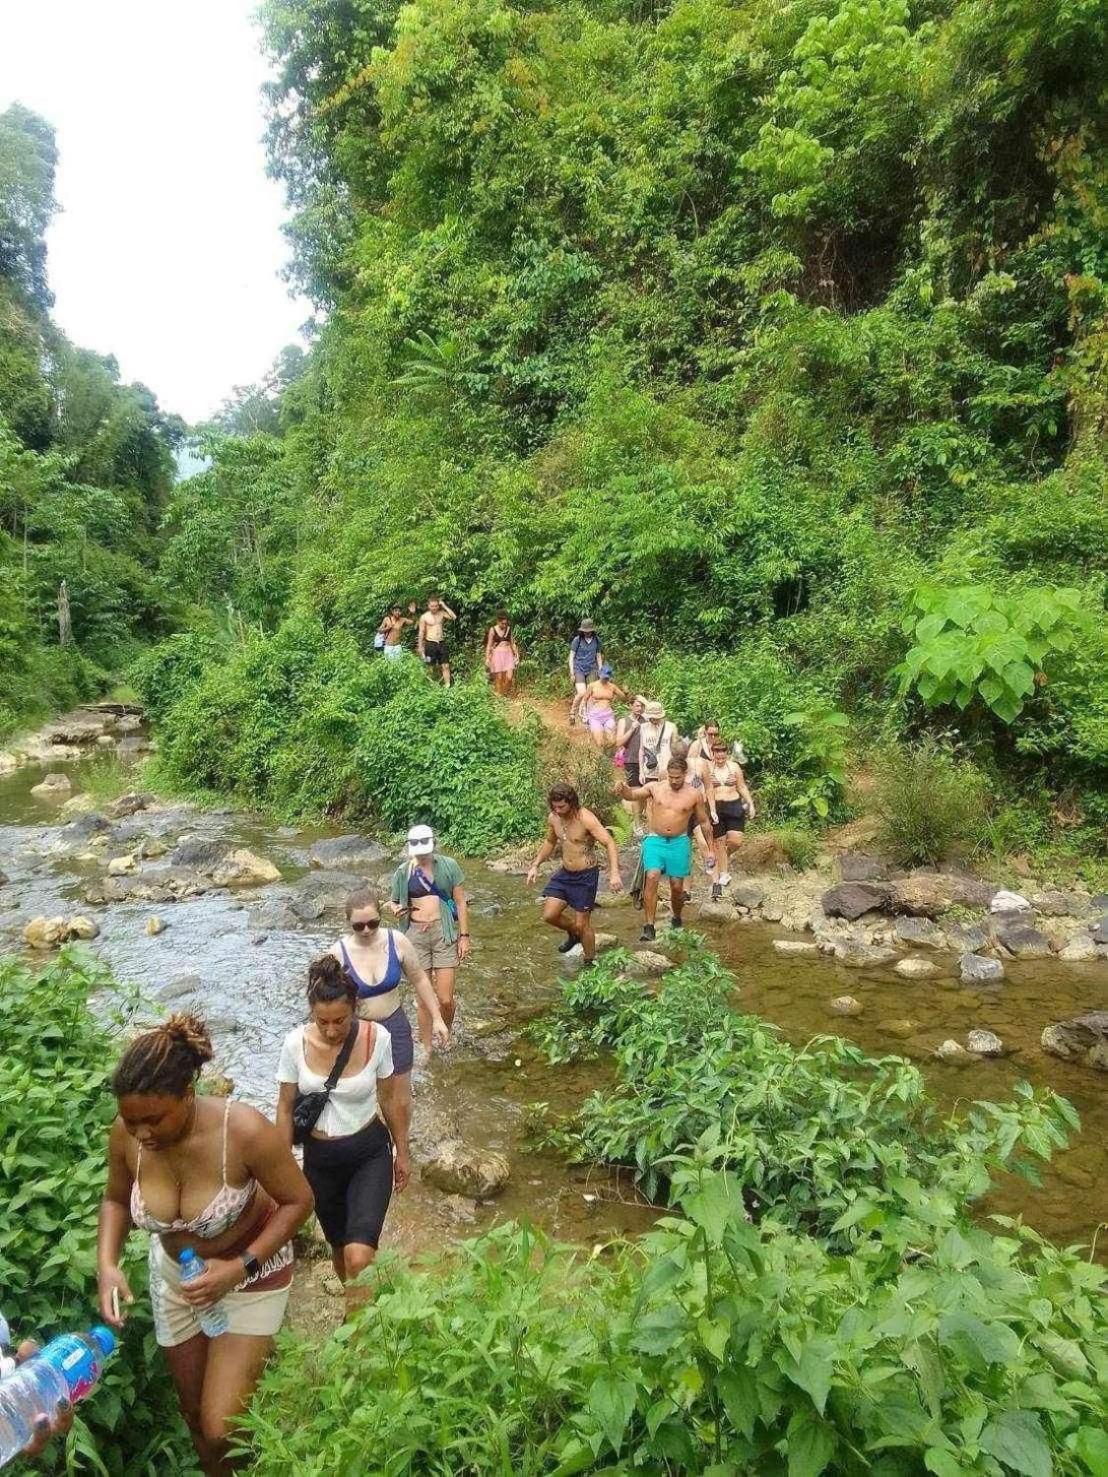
[348,1261]
[724,846]
[579,691]
[557,914]
[215,1379]
[443,982]
[650,897]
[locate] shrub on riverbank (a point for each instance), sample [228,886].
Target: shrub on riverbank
[56,1107]
[823,1137]
[302,722]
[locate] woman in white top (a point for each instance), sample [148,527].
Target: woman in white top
[348,1157]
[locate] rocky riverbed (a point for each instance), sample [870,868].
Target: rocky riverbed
[220,912]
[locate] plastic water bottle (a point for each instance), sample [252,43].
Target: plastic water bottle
[213,1320]
[67,1369]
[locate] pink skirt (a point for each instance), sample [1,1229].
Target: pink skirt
[502,659]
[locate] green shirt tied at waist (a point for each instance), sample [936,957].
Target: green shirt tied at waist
[447,875]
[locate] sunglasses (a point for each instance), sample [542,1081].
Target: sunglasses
[366,925]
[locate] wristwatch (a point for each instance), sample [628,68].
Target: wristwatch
[251,1263]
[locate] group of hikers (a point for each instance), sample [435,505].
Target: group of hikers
[218,1177]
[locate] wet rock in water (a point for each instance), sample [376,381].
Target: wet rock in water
[647,964]
[854,899]
[748,895]
[1083,1038]
[1024,942]
[457,1168]
[861,866]
[968,938]
[844,1005]
[460,1209]
[900,1029]
[606,941]
[795,948]
[915,969]
[154,926]
[718,912]
[331,887]
[1100,932]
[613,900]
[128,723]
[222,1025]
[244,869]
[852,954]
[307,909]
[352,852]
[130,804]
[921,933]
[178,987]
[8,762]
[152,848]
[53,787]
[952,1051]
[1079,950]
[976,969]
[79,805]
[984,1043]
[202,852]
[51,933]
[122,866]
[930,894]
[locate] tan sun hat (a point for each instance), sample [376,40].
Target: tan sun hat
[654,711]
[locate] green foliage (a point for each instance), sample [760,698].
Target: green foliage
[909,1341]
[811,1133]
[973,643]
[164,673]
[304,723]
[56,1108]
[931,805]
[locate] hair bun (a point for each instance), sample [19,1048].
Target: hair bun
[191,1032]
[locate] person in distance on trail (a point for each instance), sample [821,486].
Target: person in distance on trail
[667,846]
[392,629]
[431,636]
[732,806]
[427,893]
[216,1176]
[377,961]
[348,1156]
[501,653]
[585,661]
[599,712]
[701,746]
[657,735]
[571,892]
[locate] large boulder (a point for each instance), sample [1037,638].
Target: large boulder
[244,869]
[457,1168]
[1080,950]
[984,1043]
[1100,931]
[1024,942]
[921,933]
[854,899]
[748,895]
[718,912]
[347,852]
[953,1052]
[861,866]
[53,787]
[1083,1038]
[648,964]
[975,969]
[969,938]
[130,804]
[854,954]
[50,933]
[122,866]
[930,894]
[202,852]
[915,969]
[795,948]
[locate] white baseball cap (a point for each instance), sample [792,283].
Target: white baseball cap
[421,841]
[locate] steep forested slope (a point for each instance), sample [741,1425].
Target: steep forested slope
[772,335]
[85,464]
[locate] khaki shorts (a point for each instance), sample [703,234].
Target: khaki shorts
[175,1321]
[432,950]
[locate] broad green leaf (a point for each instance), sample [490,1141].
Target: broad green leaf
[1091,1445]
[978,1343]
[739,1391]
[612,1401]
[810,1445]
[1016,1438]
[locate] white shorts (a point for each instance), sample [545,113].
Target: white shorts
[175,1320]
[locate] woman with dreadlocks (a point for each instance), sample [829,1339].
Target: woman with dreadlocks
[216,1176]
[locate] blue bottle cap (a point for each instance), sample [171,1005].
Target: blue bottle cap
[105,1338]
[186,1256]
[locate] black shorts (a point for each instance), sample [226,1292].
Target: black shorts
[435,653]
[576,889]
[732,817]
[351,1179]
[631,772]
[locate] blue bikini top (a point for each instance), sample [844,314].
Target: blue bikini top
[389,980]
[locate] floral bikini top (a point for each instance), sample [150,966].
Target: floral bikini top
[223,1210]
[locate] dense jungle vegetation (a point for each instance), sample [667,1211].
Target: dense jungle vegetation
[772,335]
[85,466]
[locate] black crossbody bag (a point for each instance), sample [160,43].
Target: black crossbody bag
[309,1105]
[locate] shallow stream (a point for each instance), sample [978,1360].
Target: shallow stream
[250,954]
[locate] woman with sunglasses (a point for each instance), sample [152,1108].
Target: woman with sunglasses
[349,1154]
[732,806]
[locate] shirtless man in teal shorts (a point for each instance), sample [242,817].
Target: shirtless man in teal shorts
[667,847]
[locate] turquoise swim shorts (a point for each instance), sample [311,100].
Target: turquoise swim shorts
[670,855]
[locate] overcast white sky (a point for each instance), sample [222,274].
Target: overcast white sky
[167,251]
